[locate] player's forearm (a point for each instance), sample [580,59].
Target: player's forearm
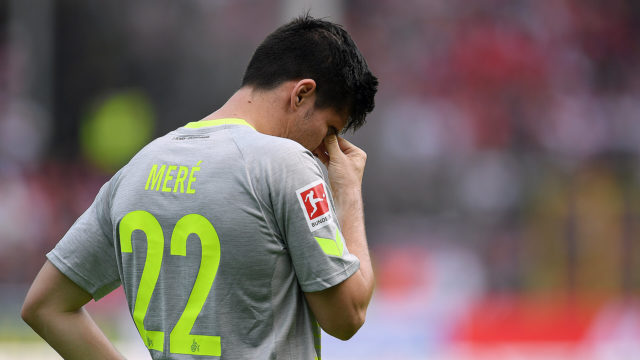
[73,335]
[351,215]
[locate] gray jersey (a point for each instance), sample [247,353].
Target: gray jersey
[215,231]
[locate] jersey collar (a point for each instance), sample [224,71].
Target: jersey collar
[217,122]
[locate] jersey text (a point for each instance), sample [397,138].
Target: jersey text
[175,176]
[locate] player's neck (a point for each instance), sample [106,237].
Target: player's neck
[261,109]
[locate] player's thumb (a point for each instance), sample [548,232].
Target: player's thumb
[332,146]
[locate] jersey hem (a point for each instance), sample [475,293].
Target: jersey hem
[332,280]
[78,279]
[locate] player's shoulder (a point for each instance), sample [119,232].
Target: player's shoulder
[267,148]
[149,150]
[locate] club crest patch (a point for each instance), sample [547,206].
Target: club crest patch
[314,201]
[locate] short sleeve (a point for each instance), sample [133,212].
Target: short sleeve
[86,252]
[306,217]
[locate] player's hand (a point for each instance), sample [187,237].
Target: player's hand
[345,163]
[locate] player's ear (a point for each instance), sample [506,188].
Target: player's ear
[302,93]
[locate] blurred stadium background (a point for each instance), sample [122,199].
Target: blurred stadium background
[502,189]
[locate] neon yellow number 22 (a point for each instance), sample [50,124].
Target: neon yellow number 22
[181,341]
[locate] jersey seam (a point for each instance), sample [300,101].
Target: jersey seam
[253,189]
[273,234]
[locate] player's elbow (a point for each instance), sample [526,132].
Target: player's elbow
[33,311]
[354,325]
[29,312]
[349,325]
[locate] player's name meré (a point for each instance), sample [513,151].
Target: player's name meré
[161,178]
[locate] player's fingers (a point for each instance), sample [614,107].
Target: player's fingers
[348,148]
[345,145]
[331,144]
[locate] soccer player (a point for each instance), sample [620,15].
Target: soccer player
[227,238]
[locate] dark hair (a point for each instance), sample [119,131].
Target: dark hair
[320,50]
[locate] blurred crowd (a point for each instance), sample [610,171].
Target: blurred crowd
[511,128]
[504,130]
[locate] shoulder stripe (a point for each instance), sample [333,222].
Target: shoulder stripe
[330,246]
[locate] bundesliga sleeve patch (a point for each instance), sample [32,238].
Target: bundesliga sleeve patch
[314,201]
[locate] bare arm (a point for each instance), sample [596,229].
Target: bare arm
[54,309]
[341,309]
